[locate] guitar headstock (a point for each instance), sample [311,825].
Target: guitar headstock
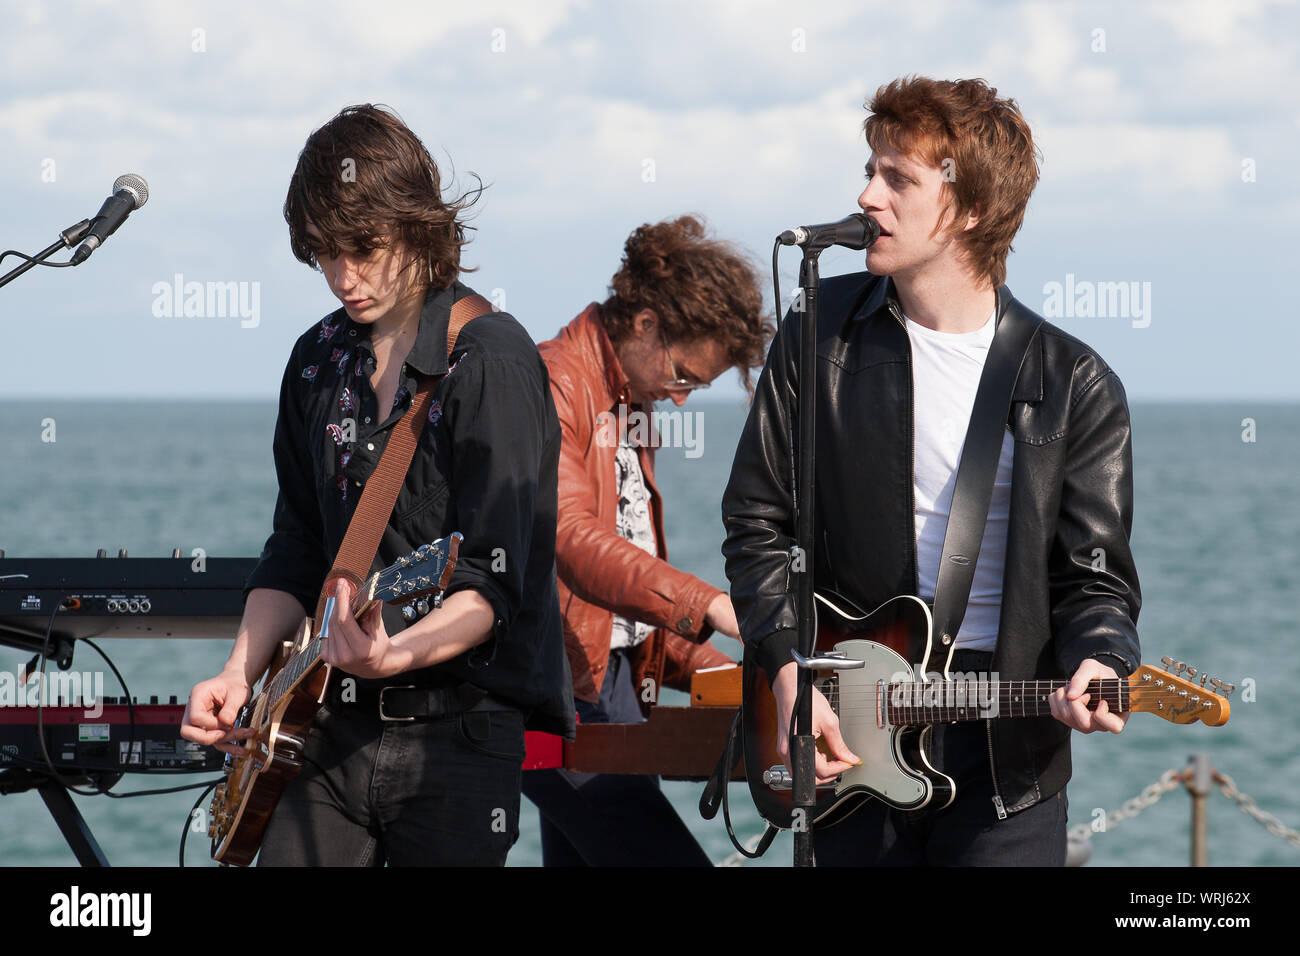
[1177,698]
[418,580]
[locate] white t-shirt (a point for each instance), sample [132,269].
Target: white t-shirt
[946,369]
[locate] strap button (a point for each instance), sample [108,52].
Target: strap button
[947,639]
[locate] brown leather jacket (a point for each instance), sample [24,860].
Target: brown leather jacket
[600,572]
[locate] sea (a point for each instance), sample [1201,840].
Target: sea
[1216,537]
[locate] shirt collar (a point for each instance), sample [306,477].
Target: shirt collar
[588,330]
[428,355]
[1029,383]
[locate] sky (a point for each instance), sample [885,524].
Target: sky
[1163,231]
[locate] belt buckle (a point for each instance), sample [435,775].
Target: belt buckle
[384,690]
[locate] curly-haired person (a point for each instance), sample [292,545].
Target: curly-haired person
[682,310]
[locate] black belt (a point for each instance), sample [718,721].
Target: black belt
[409,702]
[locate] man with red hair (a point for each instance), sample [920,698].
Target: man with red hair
[901,349]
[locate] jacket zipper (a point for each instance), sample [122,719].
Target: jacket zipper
[997,794]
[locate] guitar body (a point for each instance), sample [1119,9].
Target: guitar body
[894,764]
[243,803]
[282,712]
[887,707]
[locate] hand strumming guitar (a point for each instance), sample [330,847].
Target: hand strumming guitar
[212,710]
[837,756]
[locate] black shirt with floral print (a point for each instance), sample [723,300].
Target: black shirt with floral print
[486,466]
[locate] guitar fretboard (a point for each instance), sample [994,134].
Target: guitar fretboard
[913,702]
[294,669]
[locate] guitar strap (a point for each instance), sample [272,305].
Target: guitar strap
[977,470]
[361,542]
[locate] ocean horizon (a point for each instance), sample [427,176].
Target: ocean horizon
[1216,539]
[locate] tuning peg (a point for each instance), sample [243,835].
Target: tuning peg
[1191,673]
[1221,687]
[408,613]
[1179,667]
[1167,661]
[422,606]
[1204,678]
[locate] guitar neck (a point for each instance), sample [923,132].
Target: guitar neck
[309,655]
[913,702]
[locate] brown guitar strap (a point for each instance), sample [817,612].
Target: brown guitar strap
[361,542]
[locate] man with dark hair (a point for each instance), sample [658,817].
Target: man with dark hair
[900,354]
[429,775]
[683,309]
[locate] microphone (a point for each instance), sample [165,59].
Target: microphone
[857,231]
[130,192]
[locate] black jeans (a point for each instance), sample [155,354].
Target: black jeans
[966,833]
[440,792]
[605,819]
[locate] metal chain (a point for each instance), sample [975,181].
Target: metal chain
[1252,810]
[1169,780]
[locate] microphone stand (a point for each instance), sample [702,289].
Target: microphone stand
[803,754]
[803,746]
[67,239]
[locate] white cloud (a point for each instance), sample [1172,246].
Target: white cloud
[742,128]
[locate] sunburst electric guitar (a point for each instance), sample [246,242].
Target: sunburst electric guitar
[886,707]
[282,712]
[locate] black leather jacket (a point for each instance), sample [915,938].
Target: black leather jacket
[1070,589]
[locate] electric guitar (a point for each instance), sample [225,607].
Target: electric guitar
[293,691]
[886,707]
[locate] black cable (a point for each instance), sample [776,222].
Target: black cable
[47,763]
[726,766]
[130,708]
[40,712]
[39,262]
[185,827]
[771,831]
[152,793]
[40,709]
